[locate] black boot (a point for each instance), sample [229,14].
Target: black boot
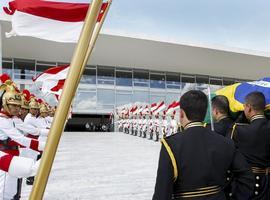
[30,180]
[157,137]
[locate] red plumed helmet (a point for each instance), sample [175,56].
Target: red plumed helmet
[39,101]
[27,94]
[4,78]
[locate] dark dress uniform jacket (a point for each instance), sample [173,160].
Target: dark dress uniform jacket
[202,158]
[222,126]
[253,141]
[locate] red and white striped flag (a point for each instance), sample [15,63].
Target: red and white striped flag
[52,79]
[159,108]
[153,107]
[49,19]
[173,107]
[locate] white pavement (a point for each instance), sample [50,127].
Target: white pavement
[102,166]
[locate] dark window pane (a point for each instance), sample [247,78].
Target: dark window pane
[188,79]
[105,73]
[141,78]
[174,86]
[228,81]
[7,68]
[202,79]
[24,69]
[141,84]
[89,76]
[140,74]
[173,80]
[157,81]
[215,82]
[123,78]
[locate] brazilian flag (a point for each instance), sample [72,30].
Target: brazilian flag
[236,94]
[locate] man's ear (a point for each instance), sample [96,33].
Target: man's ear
[182,113]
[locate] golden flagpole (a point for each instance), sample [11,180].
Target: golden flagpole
[69,90]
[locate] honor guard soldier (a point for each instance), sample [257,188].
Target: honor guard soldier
[193,164]
[144,128]
[220,112]
[173,124]
[253,141]
[151,126]
[140,125]
[156,126]
[164,127]
[10,138]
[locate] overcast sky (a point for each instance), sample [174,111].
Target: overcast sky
[227,23]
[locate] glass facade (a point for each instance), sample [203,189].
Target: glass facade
[103,88]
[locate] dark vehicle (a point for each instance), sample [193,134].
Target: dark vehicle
[90,123]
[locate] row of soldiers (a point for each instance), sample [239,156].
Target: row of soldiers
[24,126]
[151,127]
[231,162]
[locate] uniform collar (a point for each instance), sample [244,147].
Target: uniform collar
[222,117]
[257,117]
[193,124]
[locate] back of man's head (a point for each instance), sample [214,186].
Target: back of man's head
[194,103]
[221,104]
[256,100]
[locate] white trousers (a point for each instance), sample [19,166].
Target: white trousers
[8,186]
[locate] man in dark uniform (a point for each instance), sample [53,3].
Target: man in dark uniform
[220,112]
[253,141]
[193,164]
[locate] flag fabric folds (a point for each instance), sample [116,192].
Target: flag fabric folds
[50,20]
[236,93]
[52,80]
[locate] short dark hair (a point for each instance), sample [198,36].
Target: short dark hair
[221,103]
[256,100]
[194,103]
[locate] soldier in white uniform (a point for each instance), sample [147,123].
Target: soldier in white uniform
[31,121]
[50,116]
[151,126]
[157,127]
[11,138]
[144,126]
[164,128]
[25,129]
[173,124]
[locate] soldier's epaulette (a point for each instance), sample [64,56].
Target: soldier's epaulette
[241,124]
[170,136]
[234,127]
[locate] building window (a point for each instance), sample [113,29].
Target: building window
[85,101]
[157,81]
[188,83]
[105,96]
[124,78]
[141,78]
[24,69]
[41,66]
[7,67]
[89,76]
[105,75]
[173,81]
[123,98]
[228,81]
